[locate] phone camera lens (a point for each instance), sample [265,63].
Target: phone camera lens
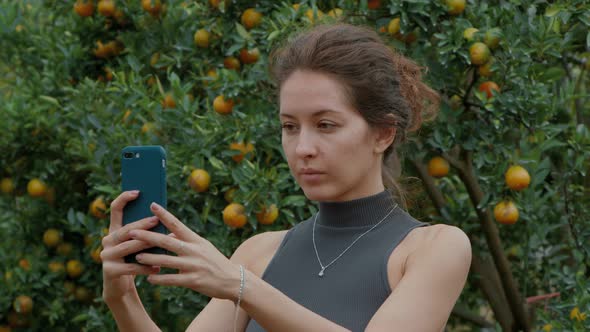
[128,155]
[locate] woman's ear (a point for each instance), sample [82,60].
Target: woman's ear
[384,138]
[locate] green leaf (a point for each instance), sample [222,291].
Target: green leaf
[50,100]
[216,163]
[242,32]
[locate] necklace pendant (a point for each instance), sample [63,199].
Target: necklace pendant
[321,274]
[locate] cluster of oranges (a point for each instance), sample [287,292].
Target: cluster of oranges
[516,177]
[234,214]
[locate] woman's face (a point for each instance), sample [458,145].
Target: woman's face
[323,134]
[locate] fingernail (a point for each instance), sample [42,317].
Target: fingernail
[154,220]
[155,206]
[134,192]
[133,234]
[138,257]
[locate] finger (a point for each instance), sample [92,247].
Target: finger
[122,234]
[158,240]
[117,269]
[117,208]
[123,249]
[173,262]
[168,279]
[174,225]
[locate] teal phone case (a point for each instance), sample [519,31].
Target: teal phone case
[143,168]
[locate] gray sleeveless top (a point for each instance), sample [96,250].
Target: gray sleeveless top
[353,288]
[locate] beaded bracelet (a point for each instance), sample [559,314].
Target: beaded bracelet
[242,281]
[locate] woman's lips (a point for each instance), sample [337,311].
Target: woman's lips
[312,177]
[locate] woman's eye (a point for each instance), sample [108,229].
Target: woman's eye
[287,127]
[325,125]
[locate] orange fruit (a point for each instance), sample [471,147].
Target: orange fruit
[487,87]
[231,63]
[469,32]
[199,180]
[201,38]
[438,167]
[517,177]
[82,294]
[51,238]
[95,254]
[393,27]
[492,38]
[268,215]
[64,249]
[335,13]
[84,8]
[485,70]
[229,195]
[212,73]
[215,3]
[24,264]
[108,74]
[74,268]
[296,6]
[126,115]
[234,215]
[223,106]
[154,59]
[455,102]
[249,56]
[69,288]
[374,4]
[98,207]
[310,16]
[7,185]
[152,6]
[455,7]
[36,188]
[23,304]
[506,212]
[56,267]
[479,53]
[106,7]
[120,17]
[251,18]
[243,148]
[168,101]
[147,127]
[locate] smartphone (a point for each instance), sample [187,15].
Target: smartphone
[143,168]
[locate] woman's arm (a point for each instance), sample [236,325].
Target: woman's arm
[273,310]
[130,315]
[433,280]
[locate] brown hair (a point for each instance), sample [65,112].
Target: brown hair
[383,85]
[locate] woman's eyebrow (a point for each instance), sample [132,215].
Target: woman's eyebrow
[315,114]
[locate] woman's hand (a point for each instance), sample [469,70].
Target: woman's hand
[118,276]
[201,267]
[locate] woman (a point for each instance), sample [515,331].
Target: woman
[361,263]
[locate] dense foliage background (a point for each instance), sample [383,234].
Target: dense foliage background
[81,80]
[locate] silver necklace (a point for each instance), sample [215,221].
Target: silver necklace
[321,274]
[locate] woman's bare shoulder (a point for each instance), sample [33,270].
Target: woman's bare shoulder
[257,251]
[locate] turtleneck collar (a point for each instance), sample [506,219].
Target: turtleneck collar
[364,211]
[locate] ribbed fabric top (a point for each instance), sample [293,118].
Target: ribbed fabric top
[355,285]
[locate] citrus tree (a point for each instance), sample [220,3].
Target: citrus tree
[505,160]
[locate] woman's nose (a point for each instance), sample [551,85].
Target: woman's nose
[306,145]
